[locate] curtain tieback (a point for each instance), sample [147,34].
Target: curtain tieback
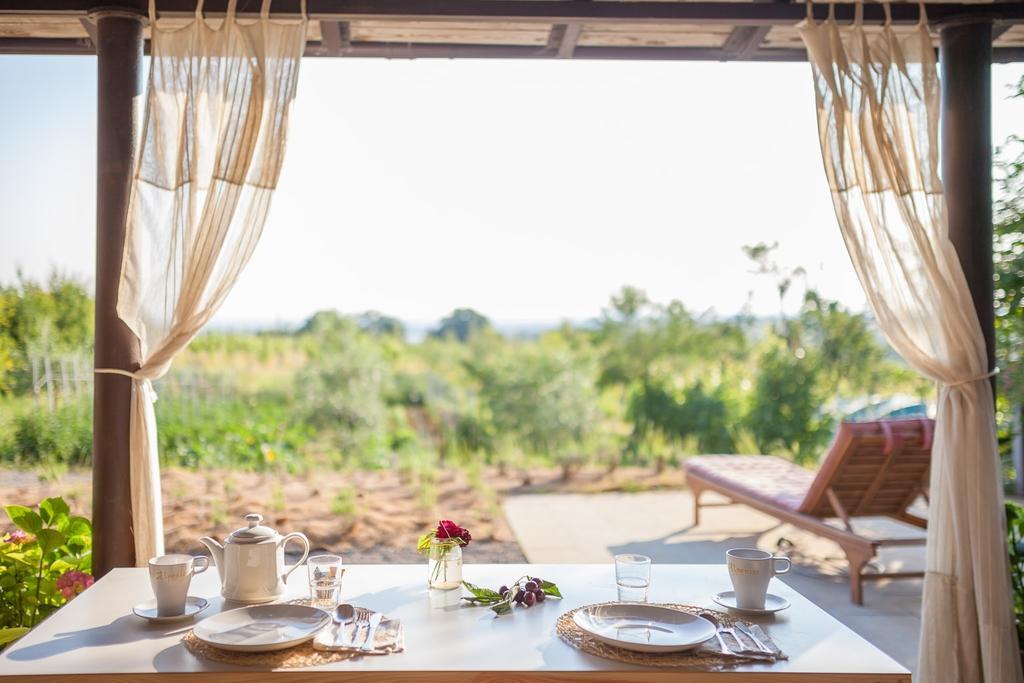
[146,382]
[991,373]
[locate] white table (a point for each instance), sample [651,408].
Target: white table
[96,638]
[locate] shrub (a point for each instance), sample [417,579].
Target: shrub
[37,436]
[1015,543]
[43,564]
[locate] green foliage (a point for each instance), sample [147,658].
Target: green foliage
[252,432]
[786,412]
[1015,546]
[341,387]
[461,325]
[50,544]
[543,399]
[1009,268]
[647,382]
[37,319]
[64,436]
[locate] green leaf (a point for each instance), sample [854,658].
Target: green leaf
[24,518]
[550,589]
[480,593]
[76,526]
[9,635]
[502,608]
[49,539]
[53,510]
[423,545]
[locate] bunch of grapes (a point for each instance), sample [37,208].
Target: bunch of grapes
[528,591]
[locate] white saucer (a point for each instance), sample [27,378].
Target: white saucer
[193,606]
[772,603]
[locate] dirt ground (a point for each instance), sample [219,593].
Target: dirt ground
[378,519]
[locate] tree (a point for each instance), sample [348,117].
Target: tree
[376,322]
[341,387]
[543,398]
[461,325]
[786,409]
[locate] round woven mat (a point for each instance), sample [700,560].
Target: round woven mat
[295,657]
[704,658]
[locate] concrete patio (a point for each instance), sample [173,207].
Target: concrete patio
[564,528]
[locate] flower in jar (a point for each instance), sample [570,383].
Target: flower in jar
[73,582]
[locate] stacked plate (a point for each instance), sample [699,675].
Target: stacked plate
[262,628]
[644,628]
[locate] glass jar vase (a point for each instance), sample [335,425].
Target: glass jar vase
[444,562]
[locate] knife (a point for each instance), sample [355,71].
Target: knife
[368,644]
[750,634]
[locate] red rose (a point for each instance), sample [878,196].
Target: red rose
[446,528]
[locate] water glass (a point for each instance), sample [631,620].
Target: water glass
[325,574]
[633,577]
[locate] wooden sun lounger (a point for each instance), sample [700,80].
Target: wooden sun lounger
[873,469]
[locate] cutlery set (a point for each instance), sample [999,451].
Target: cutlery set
[360,618]
[759,650]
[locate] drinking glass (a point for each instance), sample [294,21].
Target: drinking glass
[633,577]
[325,574]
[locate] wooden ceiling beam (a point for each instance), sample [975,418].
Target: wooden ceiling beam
[90,27]
[548,11]
[335,37]
[360,49]
[563,38]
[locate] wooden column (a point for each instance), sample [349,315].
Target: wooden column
[965,56]
[119,90]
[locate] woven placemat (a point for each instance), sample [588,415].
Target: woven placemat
[389,638]
[707,657]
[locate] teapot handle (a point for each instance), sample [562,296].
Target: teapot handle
[305,553]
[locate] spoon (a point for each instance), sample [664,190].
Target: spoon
[344,614]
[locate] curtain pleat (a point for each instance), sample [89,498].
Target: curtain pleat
[877,94]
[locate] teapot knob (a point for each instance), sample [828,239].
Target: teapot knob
[254,519]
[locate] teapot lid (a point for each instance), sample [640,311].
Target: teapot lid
[254,532]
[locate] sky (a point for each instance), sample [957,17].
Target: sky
[528,190]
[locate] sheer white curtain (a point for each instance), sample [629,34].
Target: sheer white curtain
[212,144]
[878,120]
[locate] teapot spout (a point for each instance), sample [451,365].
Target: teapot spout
[217,551]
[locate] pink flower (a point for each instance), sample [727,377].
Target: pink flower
[73,582]
[17,538]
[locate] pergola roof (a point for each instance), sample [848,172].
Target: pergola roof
[553,29]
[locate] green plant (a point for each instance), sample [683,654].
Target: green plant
[1015,543]
[42,565]
[345,502]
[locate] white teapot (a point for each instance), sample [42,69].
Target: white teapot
[251,561]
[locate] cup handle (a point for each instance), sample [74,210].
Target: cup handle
[305,542]
[775,566]
[195,564]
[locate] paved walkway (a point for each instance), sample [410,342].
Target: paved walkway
[568,528]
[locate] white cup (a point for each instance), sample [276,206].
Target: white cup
[751,570]
[170,576]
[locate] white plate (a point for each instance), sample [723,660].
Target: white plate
[147,610]
[772,603]
[261,628]
[644,628]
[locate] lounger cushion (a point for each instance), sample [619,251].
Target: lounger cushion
[766,478]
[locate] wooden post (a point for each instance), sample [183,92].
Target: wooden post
[965,56]
[119,90]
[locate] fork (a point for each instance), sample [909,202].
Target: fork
[362,619]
